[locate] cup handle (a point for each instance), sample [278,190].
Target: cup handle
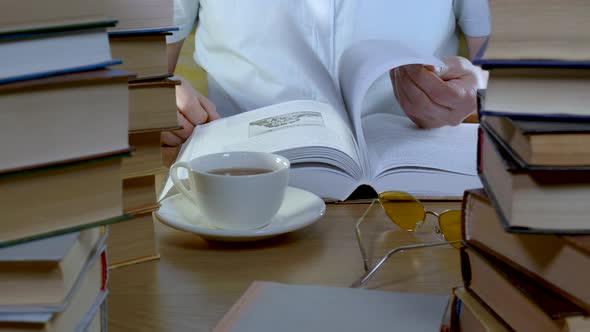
[178,183]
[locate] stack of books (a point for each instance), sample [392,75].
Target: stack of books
[139,39]
[526,265]
[63,123]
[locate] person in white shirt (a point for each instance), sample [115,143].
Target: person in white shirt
[250,61]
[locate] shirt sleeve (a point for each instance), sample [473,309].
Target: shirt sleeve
[185,15]
[473,16]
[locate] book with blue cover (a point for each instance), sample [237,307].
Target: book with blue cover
[31,54]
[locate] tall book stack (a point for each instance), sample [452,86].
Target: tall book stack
[139,39]
[526,266]
[63,126]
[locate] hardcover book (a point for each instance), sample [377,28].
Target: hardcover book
[523,304]
[559,262]
[535,143]
[40,53]
[68,117]
[533,200]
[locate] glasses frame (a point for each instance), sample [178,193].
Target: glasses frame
[437,215]
[370,271]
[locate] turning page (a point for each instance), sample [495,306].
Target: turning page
[396,154]
[360,66]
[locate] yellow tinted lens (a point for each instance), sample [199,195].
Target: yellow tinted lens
[450,226]
[402,208]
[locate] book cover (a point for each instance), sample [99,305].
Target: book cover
[149,31]
[516,163]
[545,258]
[543,175]
[268,306]
[70,28]
[552,303]
[97,253]
[536,93]
[519,301]
[86,302]
[529,63]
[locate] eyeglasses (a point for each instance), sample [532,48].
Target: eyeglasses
[409,214]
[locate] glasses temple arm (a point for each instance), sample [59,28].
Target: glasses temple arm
[367,276]
[359,238]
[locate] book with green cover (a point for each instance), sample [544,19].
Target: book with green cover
[61,198]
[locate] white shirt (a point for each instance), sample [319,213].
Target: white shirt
[248,54]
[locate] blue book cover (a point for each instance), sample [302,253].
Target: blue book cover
[531,63]
[166,30]
[40,32]
[485,63]
[32,76]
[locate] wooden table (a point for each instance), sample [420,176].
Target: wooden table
[195,282]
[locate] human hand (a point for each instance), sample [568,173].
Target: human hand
[435,97]
[192,109]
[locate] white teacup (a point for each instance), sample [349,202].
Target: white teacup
[235,190]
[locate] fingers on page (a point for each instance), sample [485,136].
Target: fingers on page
[209,107]
[187,127]
[192,111]
[439,91]
[417,104]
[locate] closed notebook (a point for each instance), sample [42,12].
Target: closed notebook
[268,306]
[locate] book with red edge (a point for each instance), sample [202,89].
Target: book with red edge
[83,309]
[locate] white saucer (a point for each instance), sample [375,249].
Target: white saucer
[300,208]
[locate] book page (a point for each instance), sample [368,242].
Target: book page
[302,131]
[361,65]
[395,141]
[395,144]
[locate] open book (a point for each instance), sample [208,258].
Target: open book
[335,147]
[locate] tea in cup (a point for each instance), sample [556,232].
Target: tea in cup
[235,190]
